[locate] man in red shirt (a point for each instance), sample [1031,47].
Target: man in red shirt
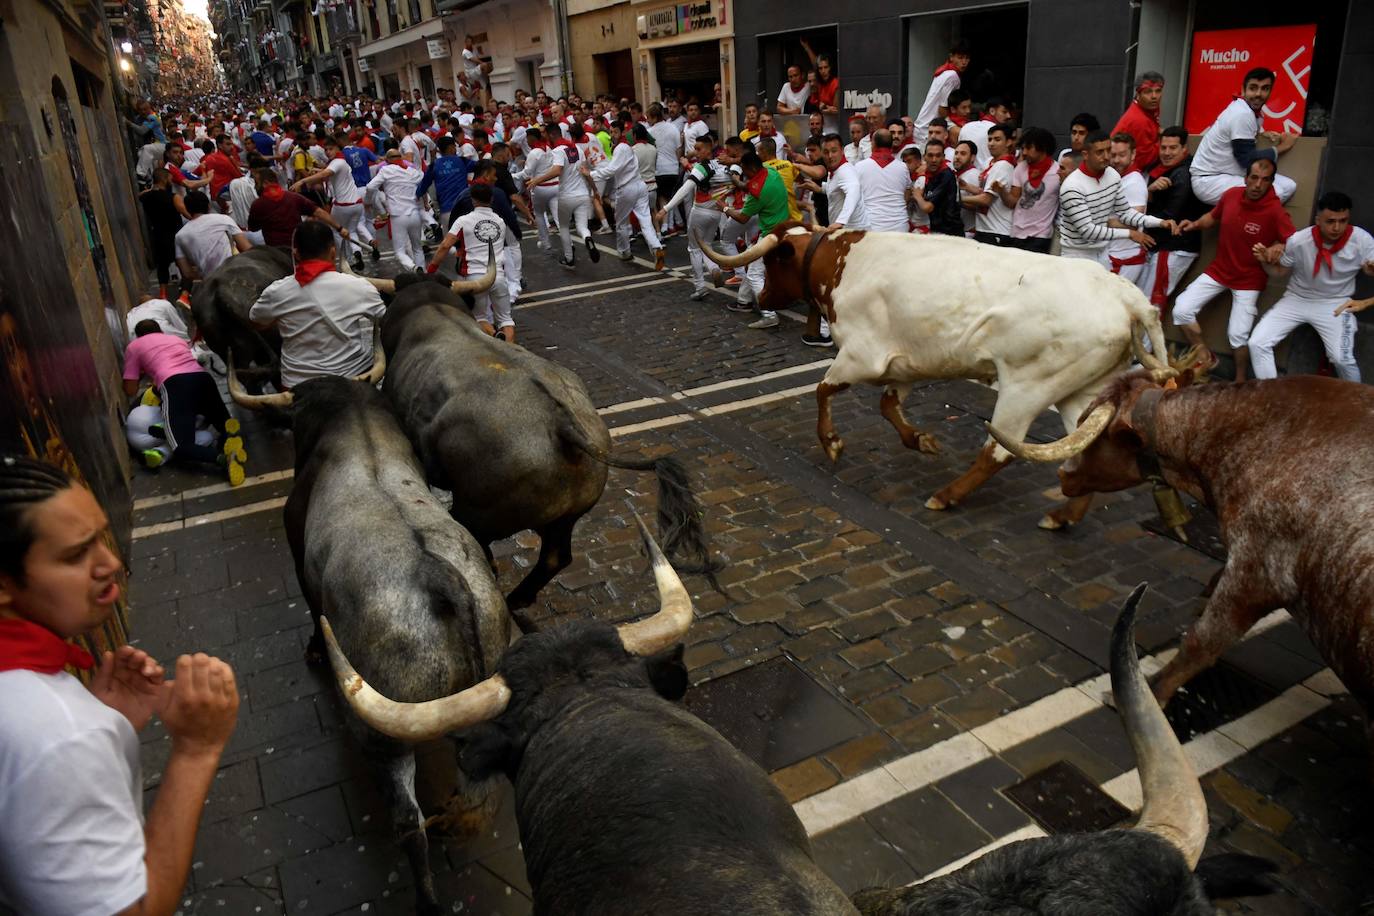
[277,212]
[1252,221]
[1141,120]
[225,163]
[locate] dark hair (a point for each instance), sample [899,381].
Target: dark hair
[1178,133]
[147,326]
[750,160]
[939,143]
[832,137]
[938,122]
[1125,138]
[1005,128]
[641,134]
[575,132]
[1258,73]
[1096,136]
[957,98]
[312,240]
[206,146]
[256,161]
[972,147]
[24,483]
[447,143]
[497,147]
[1149,76]
[709,138]
[1086,120]
[1037,138]
[995,101]
[196,202]
[1271,160]
[734,141]
[959,47]
[481,193]
[534,133]
[1335,201]
[770,143]
[897,122]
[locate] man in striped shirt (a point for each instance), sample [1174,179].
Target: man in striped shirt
[1089,198]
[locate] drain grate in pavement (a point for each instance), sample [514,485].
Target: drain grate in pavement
[1063,800]
[1218,695]
[1204,533]
[774,713]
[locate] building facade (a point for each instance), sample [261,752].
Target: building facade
[688,51]
[602,47]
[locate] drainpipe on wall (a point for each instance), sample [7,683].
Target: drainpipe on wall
[560,15]
[1132,50]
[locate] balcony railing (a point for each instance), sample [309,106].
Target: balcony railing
[343,24]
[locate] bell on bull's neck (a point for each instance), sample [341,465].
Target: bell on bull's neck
[1171,509]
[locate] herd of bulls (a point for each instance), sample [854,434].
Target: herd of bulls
[628,804]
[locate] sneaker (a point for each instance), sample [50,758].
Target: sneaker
[153,458]
[376,252]
[820,340]
[233,466]
[626,256]
[420,271]
[659,259]
[357,262]
[592,251]
[738,306]
[733,280]
[565,263]
[699,294]
[768,321]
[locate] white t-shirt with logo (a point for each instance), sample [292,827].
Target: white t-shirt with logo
[476,231]
[205,241]
[71,792]
[1329,284]
[1214,155]
[794,98]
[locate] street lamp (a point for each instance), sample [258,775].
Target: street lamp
[126,46]
[125,65]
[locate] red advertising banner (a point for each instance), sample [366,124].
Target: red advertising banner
[1222,58]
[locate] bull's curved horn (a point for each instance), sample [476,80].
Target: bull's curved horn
[374,375]
[674,617]
[748,256]
[1173,807]
[414,722]
[1160,370]
[482,283]
[382,286]
[1061,449]
[253,401]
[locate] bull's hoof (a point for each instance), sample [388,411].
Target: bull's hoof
[938,504]
[833,448]
[928,444]
[1050,523]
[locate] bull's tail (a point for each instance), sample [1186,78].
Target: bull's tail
[1145,325]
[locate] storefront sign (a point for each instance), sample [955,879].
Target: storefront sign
[438,47]
[1222,58]
[856,100]
[699,16]
[364,64]
[660,23]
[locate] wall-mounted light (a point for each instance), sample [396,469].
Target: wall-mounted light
[126,46]
[125,65]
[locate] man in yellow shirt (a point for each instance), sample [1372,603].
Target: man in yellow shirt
[787,171]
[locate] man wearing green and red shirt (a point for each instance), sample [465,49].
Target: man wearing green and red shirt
[766,198]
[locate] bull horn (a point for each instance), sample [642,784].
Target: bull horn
[748,256]
[1160,370]
[383,286]
[482,283]
[374,375]
[1173,807]
[1061,449]
[674,617]
[414,722]
[253,401]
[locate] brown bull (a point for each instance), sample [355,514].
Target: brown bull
[1287,465]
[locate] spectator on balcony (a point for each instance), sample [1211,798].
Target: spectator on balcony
[794,93]
[827,91]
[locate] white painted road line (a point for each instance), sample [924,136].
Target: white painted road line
[660,422]
[658,281]
[609,281]
[197,492]
[736,382]
[221,516]
[758,401]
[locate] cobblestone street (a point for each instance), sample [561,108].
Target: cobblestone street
[914,681]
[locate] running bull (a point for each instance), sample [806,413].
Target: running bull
[628,804]
[408,591]
[515,438]
[905,308]
[1286,465]
[220,307]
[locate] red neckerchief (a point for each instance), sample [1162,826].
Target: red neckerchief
[964,171]
[1159,170]
[990,120]
[307,271]
[1323,253]
[943,165]
[26,646]
[1083,167]
[983,176]
[882,156]
[945,68]
[1036,171]
[958,119]
[273,192]
[755,186]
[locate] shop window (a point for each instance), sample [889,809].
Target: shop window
[690,71]
[781,50]
[997,53]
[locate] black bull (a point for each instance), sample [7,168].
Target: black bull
[220,307]
[514,437]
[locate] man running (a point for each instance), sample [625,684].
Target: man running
[479,235]
[574,195]
[397,183]
[631,196]
[206,241]
[766,198]
[347,209]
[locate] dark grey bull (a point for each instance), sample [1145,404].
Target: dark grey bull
[514,437]
[220,307]
[408,591]
[628,804]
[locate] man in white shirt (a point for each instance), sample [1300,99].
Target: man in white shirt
[668,171]
[326,319]
[544,199]
[1322,263]
[859,144]
[694,128]
[73,835]
[843,191]
[167,316]
[936,104]
[631,194]
[976,132]
[207,240]
[794,93]
[396,183]
[574,194]
[347,209]
[1089,197]
[992,219]
[1127,256]
[883,184]
[480,235]
[1226,148]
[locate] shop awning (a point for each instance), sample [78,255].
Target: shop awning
[429,29]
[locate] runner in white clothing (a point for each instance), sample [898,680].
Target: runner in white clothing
[480,237]
[347,208]
[1322,263]
[1227,146]
[883,183]
[396,183]
[544,198]
[631,196]
[936,104]
[843,192]
[707,184]
[1127,256]
[574,194]
[992,219]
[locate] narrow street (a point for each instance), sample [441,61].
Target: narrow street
[922,686]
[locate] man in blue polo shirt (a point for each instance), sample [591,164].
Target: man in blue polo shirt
[449,175]
[262,141]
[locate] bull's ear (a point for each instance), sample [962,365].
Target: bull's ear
[487,750]
[668,673]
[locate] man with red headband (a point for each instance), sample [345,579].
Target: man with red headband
[73,835]
[946,80]
[1322,263]
[1141,119]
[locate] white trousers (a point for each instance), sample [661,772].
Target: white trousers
[512,264]
[703,222]
[732,233]
[1088,254]
[753,279]
[1337,334]
[573,212]
[493,306]
[1163,270]
[545,199]
[350,216]
[405,238]
[1202,291]
[634,199]
[1209,188]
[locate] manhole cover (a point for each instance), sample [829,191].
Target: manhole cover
[1063,800]
[1204,533]
[774,713]
[1214,697]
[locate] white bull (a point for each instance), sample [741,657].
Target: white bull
[907,308]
